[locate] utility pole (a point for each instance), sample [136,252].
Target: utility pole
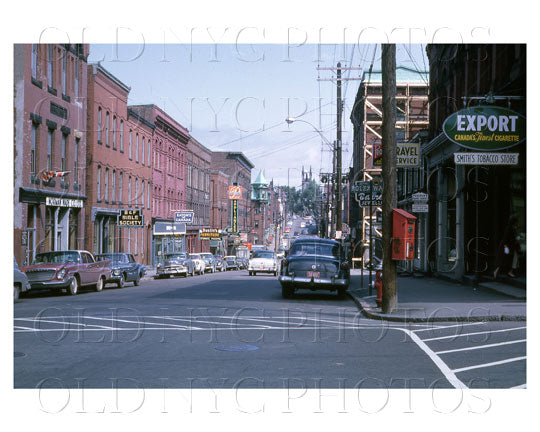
[389,200]
[338,150]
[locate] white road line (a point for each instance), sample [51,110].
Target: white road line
[489,364]
[448,373]
[471,334]
[481,346]
[450,326]
[67,323]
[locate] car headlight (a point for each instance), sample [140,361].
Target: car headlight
[61,274]
[116,272]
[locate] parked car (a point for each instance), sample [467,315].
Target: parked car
[221,265]
[123,268]
[263,262]
[175,264]
[20,282]
[209,261]
[314,264]
[67,270]
[199,263]
[230,261]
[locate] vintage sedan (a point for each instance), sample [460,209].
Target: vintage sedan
[314,264]
[67,270]
[20,282]
[123,268]
[200,265]
[175,264]
[209,261]
[221,265]
[231,262]
[263,261]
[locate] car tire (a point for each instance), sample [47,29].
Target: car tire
[16,293]
[121,282]
[286,292]
[73,288]
[137,280]
[275,273]
[341,292]
[99,285]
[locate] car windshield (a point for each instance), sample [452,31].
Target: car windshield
[230,258]
[206,255]
[195,256]
[176,256]
[299,249]
[56,257]
[263,254]
[113,257]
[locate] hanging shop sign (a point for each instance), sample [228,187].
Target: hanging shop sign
[368,192]
[407,155]
[486,158]
[485,128]
[209,234]
[235,192]
[169,228]
[234,216]
[129,218]
[63,202]
[184,216]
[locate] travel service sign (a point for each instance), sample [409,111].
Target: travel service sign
[485,128]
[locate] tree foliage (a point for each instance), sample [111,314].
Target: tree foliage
[306,202]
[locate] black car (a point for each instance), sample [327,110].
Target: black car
[230,261]
[314,264]
[221,265]
[123,268]
[175,264]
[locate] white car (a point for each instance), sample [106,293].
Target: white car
[200,266]
[263,261]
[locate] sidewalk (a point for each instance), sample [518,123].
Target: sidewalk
[428,300]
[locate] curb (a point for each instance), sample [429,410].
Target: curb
[385,317]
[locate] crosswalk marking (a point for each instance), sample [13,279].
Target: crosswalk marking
[481,346]
[489,364]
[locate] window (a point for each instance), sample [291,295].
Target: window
[76,161]
[136,192]
[142,194]
[130,145]
[137,148]
[34,61]
[64,72]
[114,133]
[142,151]
[98,192]
[149,154]
[99,126]
[50,142]
[76,78]
[64,161]
[121,135]
[113,186]
[33,151]
[106,184]
[148,197]
[107,118]
[120,181]
[129,190]
[50,68]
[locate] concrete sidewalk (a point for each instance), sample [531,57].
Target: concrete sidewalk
[428,300]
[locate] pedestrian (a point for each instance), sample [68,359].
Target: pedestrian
[507,253]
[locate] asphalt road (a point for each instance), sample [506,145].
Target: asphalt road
[230,330]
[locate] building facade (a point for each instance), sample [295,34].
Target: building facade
[411,117]
[119,173]
[219,201]
[470,205]
[169,167]
[238,167]
[198,194]
[49,148]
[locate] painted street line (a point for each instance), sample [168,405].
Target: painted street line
[489,364]
[450,326]
[481,346]
[472,334]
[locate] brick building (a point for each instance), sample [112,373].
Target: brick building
[169,170]
[219,202]
[198,194]
[119,172]
[50,83]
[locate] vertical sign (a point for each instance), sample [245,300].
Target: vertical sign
[235,215]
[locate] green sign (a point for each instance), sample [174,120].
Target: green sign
[485,128]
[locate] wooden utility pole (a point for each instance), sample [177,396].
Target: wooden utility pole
[389,199]
[338,150]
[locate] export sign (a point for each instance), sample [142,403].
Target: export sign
[485,128]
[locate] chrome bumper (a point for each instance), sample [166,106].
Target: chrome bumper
[54,284]
[315,281]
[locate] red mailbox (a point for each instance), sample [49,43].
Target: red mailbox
[403,235]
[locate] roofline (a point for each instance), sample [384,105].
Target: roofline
[97,67]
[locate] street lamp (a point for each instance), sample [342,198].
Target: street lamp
[291,120]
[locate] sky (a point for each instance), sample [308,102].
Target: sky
[236,97]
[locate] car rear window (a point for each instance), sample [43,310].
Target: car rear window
[299,249]
[263,254]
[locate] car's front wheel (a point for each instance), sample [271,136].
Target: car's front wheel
[137,280]
[121,282]
[286,291]
[99,284]
[73,287]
